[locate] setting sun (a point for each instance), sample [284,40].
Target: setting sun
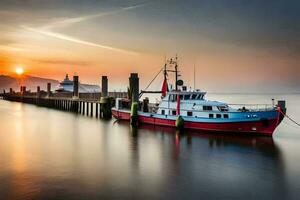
[19,70]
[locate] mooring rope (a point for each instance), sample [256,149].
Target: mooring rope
[290,124]
[298,124]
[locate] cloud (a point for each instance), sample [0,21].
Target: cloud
[45,30]
[75,40]
[70,21]
[61,62]
[10,48]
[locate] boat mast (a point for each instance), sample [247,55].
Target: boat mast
[176,74]
[165,72]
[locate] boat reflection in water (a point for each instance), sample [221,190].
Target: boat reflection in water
[216,165]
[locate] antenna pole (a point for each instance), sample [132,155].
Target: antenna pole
[194,77]
[176,74]
[165,71]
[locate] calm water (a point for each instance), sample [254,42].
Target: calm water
[49,154]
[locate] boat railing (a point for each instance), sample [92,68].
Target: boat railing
[232,108]
[251,107]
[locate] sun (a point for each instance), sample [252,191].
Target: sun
[19,70]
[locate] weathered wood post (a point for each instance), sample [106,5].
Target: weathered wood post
[79,107]
[48,89]
[74,106]
[38,90]
[38,95]
[48,94]
[75,86]
[83,108]
[97,110]
[105,107]
[24,90]
[105,101]
[59,104]
[134,87]
[104,86]
[87,108]
[134,90]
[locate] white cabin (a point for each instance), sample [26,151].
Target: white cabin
[192,104]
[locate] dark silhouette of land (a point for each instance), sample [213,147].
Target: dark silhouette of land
[7,82]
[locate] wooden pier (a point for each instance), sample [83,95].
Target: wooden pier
[88,104]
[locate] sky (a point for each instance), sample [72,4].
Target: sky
[235,45]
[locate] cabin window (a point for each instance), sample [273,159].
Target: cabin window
[189,113]
[222,108]
[162,112]
[211,115]
[201,96]
[207,107]
[181,97]
[187,97]
[194,96]
[219,115]
[173,97]
[226,116]
[173,112]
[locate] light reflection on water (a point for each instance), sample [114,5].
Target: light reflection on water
[49,154]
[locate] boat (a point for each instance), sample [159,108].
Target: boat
[185,109]
[67,85]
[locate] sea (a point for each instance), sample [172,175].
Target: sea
[46,154]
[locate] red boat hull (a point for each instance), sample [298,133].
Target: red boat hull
[231,127]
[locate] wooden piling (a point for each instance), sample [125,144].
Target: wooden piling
[87,108]
[105,107]
[97,110]
[134,87]
[79,107]
[48,89]
[83,108]
[75,87]
[104,85]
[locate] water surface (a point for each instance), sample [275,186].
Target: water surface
[50,154]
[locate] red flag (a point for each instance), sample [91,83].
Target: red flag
[164,88]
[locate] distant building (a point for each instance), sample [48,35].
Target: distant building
[67,86]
